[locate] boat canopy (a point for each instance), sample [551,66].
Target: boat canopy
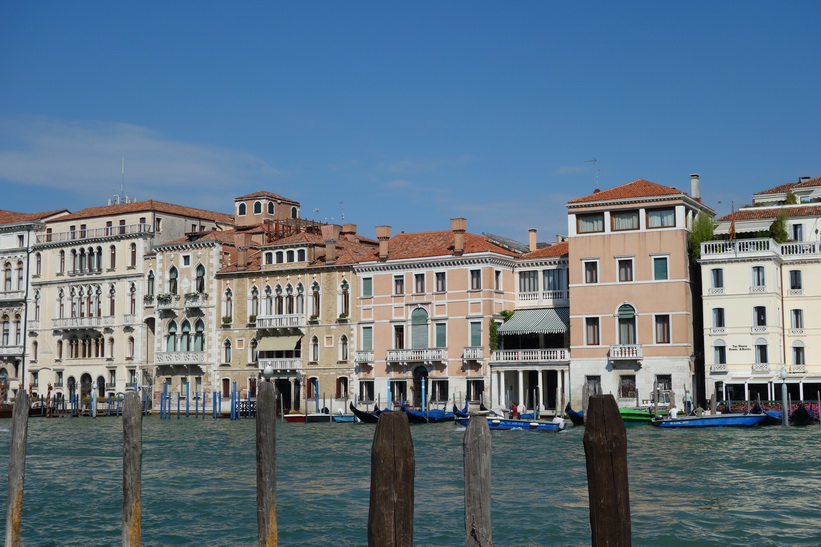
[538,321]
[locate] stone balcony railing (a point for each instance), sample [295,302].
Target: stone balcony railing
[625,351]
[195,300]
[179,357]
[546,355]
[107,231]
[760,247]
[365,356]
[33,324]
[798,368]
[544,298]
[281,321]
[82,322]
[759,329]
[168,303]
[718,367]
[11,350]
[474,353]
[281,364]
[761,367]
[412,355]
[6,296]
[718,330]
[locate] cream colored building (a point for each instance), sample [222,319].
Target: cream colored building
[631,293]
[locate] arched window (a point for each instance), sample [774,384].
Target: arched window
[300,298]
[149,286]
[228,305]
[98,299]
[300,255]
[37,305]
[798,357]
[344,299]
[254,352]
[112,300]
[38,264]
[270,207]
[111,347]
[59,349]
[200,281]
[172,280]
[293,212]
[62,262]
[280,257]
[269,257]
[185,337]
[257,207]
[113,255]
[241,209]
[226,351]
[315,302]
[199,335]
[34,348]
[132,255]
[82,261]
[419,328]
[761,351]
[279,307]
[343,348]
[20,285]
[132,299]
[289,256]
[6,330]
[289,299]
[130,348]
[99,261]
[61,308]
[269,301]
[315,349]
[171,337]
[7,277]
[627,325]
[18,331]
[254,301]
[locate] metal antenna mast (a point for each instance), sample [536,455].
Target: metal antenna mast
[595,162]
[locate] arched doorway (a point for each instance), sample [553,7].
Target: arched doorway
[283,387]
[419,372]
[85,386]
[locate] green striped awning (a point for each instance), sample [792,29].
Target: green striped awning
[541,321]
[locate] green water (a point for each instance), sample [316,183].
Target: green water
[699,487]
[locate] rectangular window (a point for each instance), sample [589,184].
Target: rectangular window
[664,381]
[367,287]
[367,338]
[591,272]
[441,283]
[758,276]
[795,279]
[662,329]
[497,280]
[475,333]
[590,223]
[625,266]
[398,337]
[718,318]
[441,335]
[798,232]
[624,220]
[439,391]
[528,282]
[797,319]
[593,384]
[720,354]
[399,284]
[476,390]
[717,278]
[761,353]
[366,391]
[798,355]
[21,241]
[661,218]
[419,283]
[627,386]
[554,280]
[475,279]
[660,268]
[591,325]
[186,260]
[760,316]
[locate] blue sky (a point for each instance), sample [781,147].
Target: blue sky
[409,113]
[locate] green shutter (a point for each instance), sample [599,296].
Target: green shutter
[660,269]
[367,338]
[367,286]
[441,335]
[475,334]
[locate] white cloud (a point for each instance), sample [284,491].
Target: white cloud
[87,156]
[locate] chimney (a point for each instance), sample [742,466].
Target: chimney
[383,234]
[695,191]
[242,251]
[458,225]
[349,232]
[532,241]
[330,233]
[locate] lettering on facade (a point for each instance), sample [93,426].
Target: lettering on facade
[739,347]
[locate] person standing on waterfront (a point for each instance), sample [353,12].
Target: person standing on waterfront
[688,402]
[514,410]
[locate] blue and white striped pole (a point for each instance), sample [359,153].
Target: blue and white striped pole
[390,401]
[424,400]
[316,395]
[178,405]
[187,397]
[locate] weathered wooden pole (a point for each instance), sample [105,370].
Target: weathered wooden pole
[17,468]
[476,444]
[266,466]
[132,469]
[605,446]
[390,517]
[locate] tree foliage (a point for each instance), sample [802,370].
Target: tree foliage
[703,228]
[778,229]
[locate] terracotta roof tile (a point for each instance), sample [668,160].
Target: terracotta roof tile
[636,189]
[148,205]
[558,249]
[760,213]
[264,194]
[424,244]
[8,217]
[782,188]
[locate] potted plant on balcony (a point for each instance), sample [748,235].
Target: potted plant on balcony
[226,320]
[313,319]
[166,297]
[148,299]
[252,319]
[343,317]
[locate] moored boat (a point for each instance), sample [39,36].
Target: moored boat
[503,424]
[711,420]
[633,416]
[801,416]
[576,418]
[366,417]
[315,417]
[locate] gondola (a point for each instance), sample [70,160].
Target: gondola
[801,416]
[366,417]
[431,416]
[463,413]
[576,418]
[495,423]
[710,420]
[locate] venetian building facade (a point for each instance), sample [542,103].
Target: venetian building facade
[425,304]
[631,292]
[762,309]
[17,236]
[89,287]
[288,309]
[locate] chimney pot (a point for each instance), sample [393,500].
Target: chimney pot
[695,191]
[533,245]
[383,234]
[458,225]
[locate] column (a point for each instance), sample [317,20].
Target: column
[541,400]
[292,382]
[520,397]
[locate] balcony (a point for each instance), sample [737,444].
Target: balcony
[759,329]
[413,355]
[33,324]
[11,350]
[130,386]
[715,290]
[795,292]
[547,355]
[718,367]
[473,353]
[718,330]
[167,301]
[281,364]
[9,296]
[281,321]
[364,356]
[747,247]
[757,289]
[110,386]
[195,300]
[761,367]
[625,352]
[543,298]
[95,233]
[180,357]
[798,368]
[797,331]
[82,322]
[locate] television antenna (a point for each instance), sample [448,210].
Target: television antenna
[595,163]
[342,211]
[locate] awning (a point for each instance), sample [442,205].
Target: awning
[540,321]
[278,343]
[743,226]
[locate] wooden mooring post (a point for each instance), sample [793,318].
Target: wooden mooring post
[390,516]
[605,447]
[132,469]
[266,465]
[476,448]
[17,468]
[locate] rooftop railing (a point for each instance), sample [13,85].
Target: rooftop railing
[108,231]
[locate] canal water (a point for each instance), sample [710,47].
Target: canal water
[696,487]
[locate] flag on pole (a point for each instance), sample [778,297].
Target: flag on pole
[732,224]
